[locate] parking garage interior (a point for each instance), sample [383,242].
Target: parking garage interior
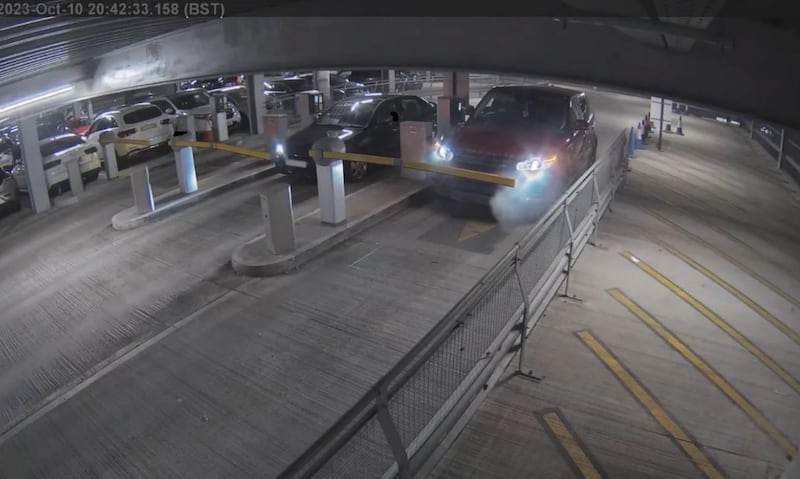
[278,241]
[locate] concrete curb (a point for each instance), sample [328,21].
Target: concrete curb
[284,263]
[129,219]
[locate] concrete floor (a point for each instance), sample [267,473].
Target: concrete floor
[734,217]
[219,375]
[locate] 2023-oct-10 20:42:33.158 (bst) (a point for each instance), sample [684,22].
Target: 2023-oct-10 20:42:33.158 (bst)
[112,9]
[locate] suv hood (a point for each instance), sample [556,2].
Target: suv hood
[503,141]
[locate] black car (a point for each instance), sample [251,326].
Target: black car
[377,80]
[368,124]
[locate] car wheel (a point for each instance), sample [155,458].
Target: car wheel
[93,176]
[356,170]
[55,190]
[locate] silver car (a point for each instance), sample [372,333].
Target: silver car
[9,193]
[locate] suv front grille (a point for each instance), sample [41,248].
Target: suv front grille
[484,163]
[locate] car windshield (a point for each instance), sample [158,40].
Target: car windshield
[353,112]
[59,144]
[522,107]
[194,100]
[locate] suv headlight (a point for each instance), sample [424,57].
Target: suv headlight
[537,163]
[279,150]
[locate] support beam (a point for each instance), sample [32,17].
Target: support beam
[34,169]
[392,82]
[256,107]
[456,84]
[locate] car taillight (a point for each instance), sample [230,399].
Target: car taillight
[125,133]
[91,150]
[165,121]
[52,164]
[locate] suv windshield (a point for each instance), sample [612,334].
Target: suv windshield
[190,101]
[356,113]
[522,107]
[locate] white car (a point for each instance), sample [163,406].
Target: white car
[56,151]
[142,121]
[195,102]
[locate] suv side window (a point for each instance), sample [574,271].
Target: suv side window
[384,112]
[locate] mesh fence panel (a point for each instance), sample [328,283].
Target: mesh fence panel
[581,204]
[423,401]
[535,263]
[365,455]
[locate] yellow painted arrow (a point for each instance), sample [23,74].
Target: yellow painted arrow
[474,228]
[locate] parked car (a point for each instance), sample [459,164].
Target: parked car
[280,94]
[233,116]
[143,121]
[56,151]
[368,124]
[543,136]
[9,153]
[237,95]
[9,193]
[210,83]
[377,80]
[195,102]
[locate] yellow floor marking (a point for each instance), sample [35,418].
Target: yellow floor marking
[652,405]
[761,279]
[570,444]
[717,320]
[720,382]
[782,327]
[474,228]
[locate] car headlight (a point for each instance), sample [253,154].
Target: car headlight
[443,152]
[279,150]
[536,163]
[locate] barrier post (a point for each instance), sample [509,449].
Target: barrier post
[142,191]
[414,137]
[278,215]
[680,125]
[109,154]
[632,144]
[184,155]
[74,175]
[330,179]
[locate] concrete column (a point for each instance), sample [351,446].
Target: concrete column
[256,108]
[34,169]
[75,178]
[90,109]
[109,155]
[302,106]
[392,82]
[276,209]
[322,82]
[276,129]
[77,106]
[456,84]
[220,127]
[330,180]
[428,78]
[142,191]
[414,137]
[780,148]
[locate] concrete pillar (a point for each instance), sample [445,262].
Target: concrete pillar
[322,82]
[392,82]
[330,180]
[90,109]
[428,78]
[75,178]
[414,137]
[109,155]
[142,191]
[276,129]
[276,209]
[77,107]
[219,126]
[456,84]
[34,169]
[256,107]
[302,106]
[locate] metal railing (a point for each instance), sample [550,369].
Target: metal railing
[783,144]
[395,427]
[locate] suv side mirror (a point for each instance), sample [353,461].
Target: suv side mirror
[469,110]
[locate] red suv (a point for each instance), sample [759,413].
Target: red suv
[542,136]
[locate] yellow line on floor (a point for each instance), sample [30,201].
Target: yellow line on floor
[717,320]
[761,279]
[707,370]
[569,443]
[681,438]
[782,327]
